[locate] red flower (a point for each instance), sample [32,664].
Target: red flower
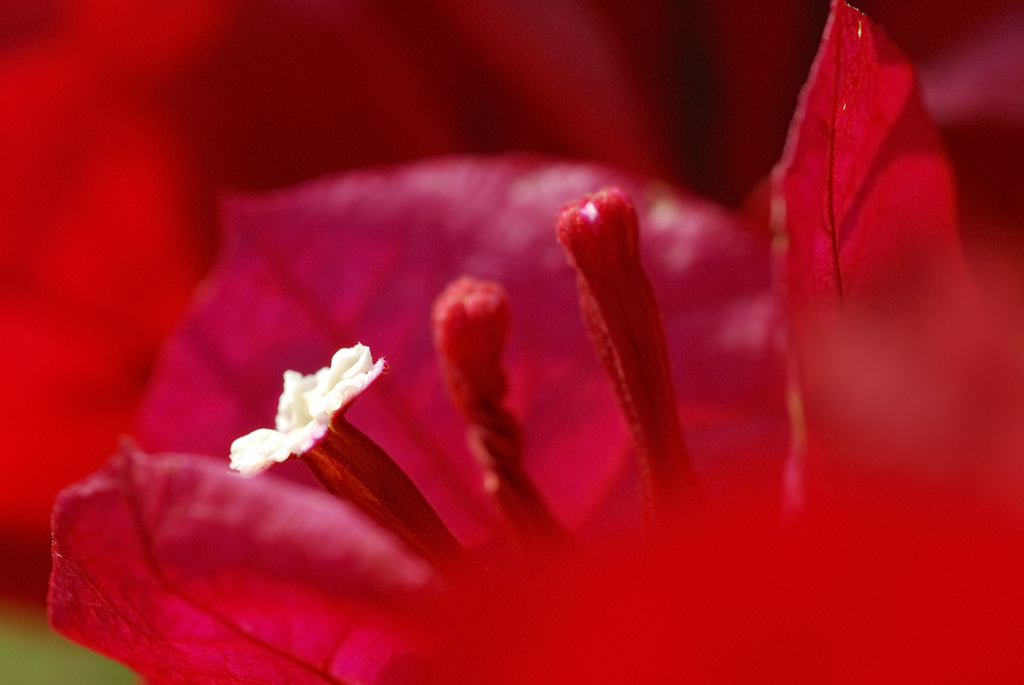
[287,289]
[201,577]
[120,123]
[287,293]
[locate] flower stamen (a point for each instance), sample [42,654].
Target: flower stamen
[470,322]
[311,426]
[352,466]
[601,238]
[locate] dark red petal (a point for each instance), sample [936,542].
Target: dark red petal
[973,91]
[188,573]
[575,77]
[979,79]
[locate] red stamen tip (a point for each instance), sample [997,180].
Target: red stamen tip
[471,322]
[600,224]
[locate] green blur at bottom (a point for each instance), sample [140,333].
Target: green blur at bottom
[32,654]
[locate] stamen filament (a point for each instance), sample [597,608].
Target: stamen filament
[350,465]
[470,322]
[311,426]
[601,238]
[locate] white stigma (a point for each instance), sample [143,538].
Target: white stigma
[305,409]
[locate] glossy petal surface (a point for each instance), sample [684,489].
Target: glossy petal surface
[201,576]
[361,258]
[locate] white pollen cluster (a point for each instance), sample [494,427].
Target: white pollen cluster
[305,409]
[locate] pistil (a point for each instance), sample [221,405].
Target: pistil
[601,236]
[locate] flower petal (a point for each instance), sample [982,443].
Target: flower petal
[188,573]
[362,257]
[864,191]
[899,370]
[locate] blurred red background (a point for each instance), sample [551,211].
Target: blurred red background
[121,122]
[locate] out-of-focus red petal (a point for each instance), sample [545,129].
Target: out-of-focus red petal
[100,246]
[361,259]
[98,257]
[891,589]
[188,573]
[300,89]
[567,68]
[757,57]
[924,29]
[130,40]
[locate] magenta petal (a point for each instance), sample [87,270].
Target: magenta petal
[188,573]
[901,369]
[360,258]
[864,191]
